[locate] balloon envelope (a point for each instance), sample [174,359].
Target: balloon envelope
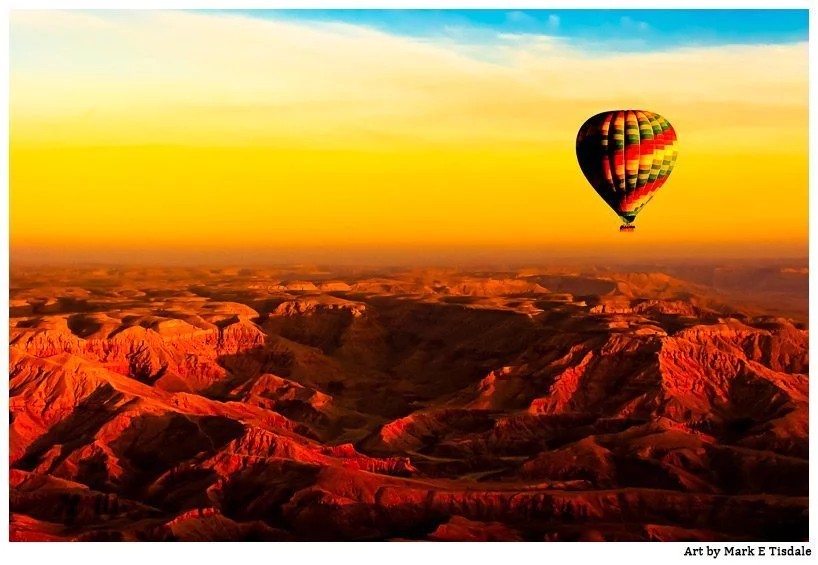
[627,155]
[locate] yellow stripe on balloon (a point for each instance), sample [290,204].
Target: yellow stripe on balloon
[646,157]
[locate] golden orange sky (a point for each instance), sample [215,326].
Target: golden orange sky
[167,130]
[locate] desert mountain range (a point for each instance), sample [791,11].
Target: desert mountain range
[667,402]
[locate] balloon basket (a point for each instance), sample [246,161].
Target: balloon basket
[627,227]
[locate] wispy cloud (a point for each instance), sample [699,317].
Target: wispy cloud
[519,17]
[194,78]
[631,24]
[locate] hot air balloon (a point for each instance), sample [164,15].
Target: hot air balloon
[627,155]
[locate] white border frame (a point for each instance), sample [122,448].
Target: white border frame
[401,554]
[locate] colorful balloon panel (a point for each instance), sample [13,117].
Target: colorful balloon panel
[627,155]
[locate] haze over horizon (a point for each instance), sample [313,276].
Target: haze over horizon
[404,257]
[402,136]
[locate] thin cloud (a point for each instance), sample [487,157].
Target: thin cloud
[173,72]
[631,24]
[519,17]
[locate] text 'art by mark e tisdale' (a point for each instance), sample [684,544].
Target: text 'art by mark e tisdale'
[749,551]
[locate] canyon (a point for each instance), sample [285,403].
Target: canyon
[576,403]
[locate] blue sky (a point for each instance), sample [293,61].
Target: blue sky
[621,30]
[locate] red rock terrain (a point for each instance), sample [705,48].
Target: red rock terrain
[307,404]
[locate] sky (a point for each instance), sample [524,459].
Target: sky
[174,135]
